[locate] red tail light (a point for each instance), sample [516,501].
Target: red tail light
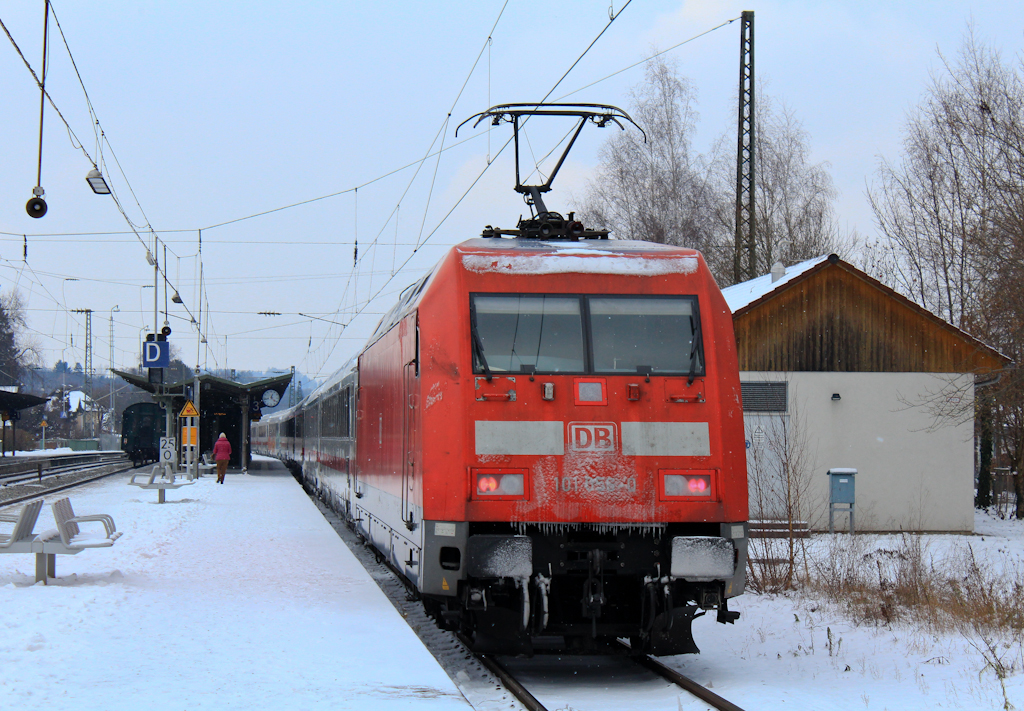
[486,484]
[687,484]
[499,483]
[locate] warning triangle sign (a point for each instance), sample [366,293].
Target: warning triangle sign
[189,410]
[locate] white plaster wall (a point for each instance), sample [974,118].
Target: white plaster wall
[915,472]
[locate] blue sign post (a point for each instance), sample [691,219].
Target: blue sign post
[156,354]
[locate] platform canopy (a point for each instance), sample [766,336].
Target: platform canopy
[10,402]
[224,406]
[252,391]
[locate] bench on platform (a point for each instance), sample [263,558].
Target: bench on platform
[21,537]
[166,480]
[206,466]
[68,539]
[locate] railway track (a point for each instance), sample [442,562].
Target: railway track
[486,682]
[30,479]
[532,703]
[704,694]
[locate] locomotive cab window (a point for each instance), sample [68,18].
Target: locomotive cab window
[649,334]
[524,333]
[625,335]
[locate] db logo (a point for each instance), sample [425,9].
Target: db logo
[593,437]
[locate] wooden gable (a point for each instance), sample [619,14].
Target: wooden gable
[834,317]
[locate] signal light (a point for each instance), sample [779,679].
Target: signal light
[36,207]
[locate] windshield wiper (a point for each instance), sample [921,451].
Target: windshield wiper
[478,346]
[696,347]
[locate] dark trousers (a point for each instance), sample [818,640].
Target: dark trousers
[222,469]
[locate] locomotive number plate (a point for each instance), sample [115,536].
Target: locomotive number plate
[595,484]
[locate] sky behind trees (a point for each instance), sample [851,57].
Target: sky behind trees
[217,112]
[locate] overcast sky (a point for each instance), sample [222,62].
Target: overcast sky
[218,111]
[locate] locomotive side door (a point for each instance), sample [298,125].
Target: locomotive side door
[410,419]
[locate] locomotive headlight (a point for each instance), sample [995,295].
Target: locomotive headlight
[678,484]
[499,483]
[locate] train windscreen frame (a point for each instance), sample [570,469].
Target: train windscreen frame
[588,334]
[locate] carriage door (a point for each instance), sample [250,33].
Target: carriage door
[410,420]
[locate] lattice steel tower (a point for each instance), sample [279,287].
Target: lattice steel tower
[89,372]
[746,245]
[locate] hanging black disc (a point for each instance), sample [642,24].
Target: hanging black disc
[36,207]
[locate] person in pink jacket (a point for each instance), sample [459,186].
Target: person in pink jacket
[222,454]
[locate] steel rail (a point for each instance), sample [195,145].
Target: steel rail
[62,487]
[39,473]
[20,465]
[515,688]
[687,683]
[508,681]
[646,661]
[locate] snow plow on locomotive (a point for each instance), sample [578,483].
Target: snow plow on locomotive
[545,438]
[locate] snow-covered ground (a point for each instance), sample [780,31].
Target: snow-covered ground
[43,452]
[243,596]
[234,596]
[794,651]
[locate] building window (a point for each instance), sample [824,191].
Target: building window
[765,397]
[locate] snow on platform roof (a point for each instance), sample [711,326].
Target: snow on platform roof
[745,293]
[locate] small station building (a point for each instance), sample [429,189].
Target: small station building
[838,371]
[11,405]
[223,406]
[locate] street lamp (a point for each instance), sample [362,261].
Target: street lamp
[95,179]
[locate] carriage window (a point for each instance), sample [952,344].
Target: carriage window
[343,413]
[527,332]
[645,334]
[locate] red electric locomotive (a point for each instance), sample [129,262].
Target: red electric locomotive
[545,437]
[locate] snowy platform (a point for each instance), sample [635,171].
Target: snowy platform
[234,596]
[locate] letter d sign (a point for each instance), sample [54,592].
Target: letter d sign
[156,354]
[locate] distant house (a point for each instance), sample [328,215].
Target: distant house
[82,413]
[840,371]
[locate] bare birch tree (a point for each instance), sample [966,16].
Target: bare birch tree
[17,351]
[665,191]
[793,196]
[780,465]
[796,217]
[656,191]
[952,211]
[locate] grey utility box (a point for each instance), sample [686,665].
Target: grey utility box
[840,492]
[840,486]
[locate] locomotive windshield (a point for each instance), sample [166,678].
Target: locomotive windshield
[642,334]
[544,333]
[529,332]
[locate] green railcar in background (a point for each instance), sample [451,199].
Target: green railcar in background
[141,427]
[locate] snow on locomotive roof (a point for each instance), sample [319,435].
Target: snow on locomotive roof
[593,257]
[612,256]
